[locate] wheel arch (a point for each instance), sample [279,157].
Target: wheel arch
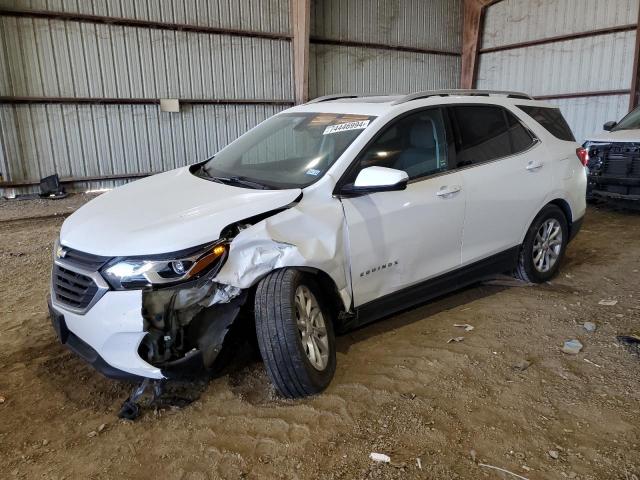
[565,207]
[559,202]
[329,290]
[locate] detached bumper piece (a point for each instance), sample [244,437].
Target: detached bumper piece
[130,409]
[84,351]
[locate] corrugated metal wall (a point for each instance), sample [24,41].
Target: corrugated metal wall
[47,57]
[335,68]
[592,64]
[103,140]
[77,55]
[55,58]
[258,15]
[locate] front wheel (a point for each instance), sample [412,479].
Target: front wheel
[544,246]
[295,333]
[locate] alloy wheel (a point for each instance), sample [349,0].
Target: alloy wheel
[547,245]
[312,328]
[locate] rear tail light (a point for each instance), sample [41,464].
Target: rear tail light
[583,155]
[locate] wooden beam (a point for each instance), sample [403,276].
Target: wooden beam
[473,17]
[472,20]
[635,79]
[130,22]
[382,46]
[562,38]
[95,178]
[597,93]
[139,101]
[301,23]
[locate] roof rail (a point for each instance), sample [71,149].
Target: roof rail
[335,96]
[471,93]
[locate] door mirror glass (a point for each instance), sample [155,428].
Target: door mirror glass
[609,126]
[377,179]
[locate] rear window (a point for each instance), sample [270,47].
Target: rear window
[482,134]
[486,132]
[552,120]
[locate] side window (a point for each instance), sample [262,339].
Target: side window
[521,138]
[482,134]
[416,144]
[551,119]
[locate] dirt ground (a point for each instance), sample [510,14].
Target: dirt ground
[400,388]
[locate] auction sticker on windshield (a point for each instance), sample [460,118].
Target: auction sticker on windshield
[343,127]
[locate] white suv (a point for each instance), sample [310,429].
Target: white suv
[324,217]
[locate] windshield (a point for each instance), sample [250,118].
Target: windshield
[286,151]
[630,122]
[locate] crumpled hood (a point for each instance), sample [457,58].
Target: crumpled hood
[619,136]
[164,213]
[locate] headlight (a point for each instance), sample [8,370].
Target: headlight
[164,270]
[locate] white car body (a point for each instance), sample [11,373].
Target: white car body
[435,226]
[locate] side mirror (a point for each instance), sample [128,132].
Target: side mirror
[609,126]
[377,179]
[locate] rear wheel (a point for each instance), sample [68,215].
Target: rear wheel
[544,246]
[295,333]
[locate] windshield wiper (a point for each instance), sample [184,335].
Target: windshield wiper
[235,180]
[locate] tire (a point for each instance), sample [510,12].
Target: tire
[280,338]
[529,267]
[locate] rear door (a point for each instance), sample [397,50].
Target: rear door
[506,177]
[398,239]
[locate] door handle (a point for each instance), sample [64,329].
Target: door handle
[534,165]
[445,191]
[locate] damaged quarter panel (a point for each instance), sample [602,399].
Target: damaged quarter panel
[311,234]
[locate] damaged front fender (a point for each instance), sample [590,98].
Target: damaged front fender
[310,234]
[187,325]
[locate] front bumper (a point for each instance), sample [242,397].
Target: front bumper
[84,351]
[613,187]
[108,335]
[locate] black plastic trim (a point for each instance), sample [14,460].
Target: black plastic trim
[615,196]
[435,287]
[350,190]
[575,227]
[614,180]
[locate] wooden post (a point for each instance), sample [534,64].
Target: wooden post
[301,23]
[634,98]
[472,17]
[471,32]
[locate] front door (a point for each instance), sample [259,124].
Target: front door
[398,239]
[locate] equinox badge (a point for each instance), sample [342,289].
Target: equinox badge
[379,268]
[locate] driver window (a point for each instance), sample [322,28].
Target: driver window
[416,144]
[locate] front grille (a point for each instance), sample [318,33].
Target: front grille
[71,288]
[618,168]
[621,159]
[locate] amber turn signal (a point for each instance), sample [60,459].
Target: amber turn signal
[206,260]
